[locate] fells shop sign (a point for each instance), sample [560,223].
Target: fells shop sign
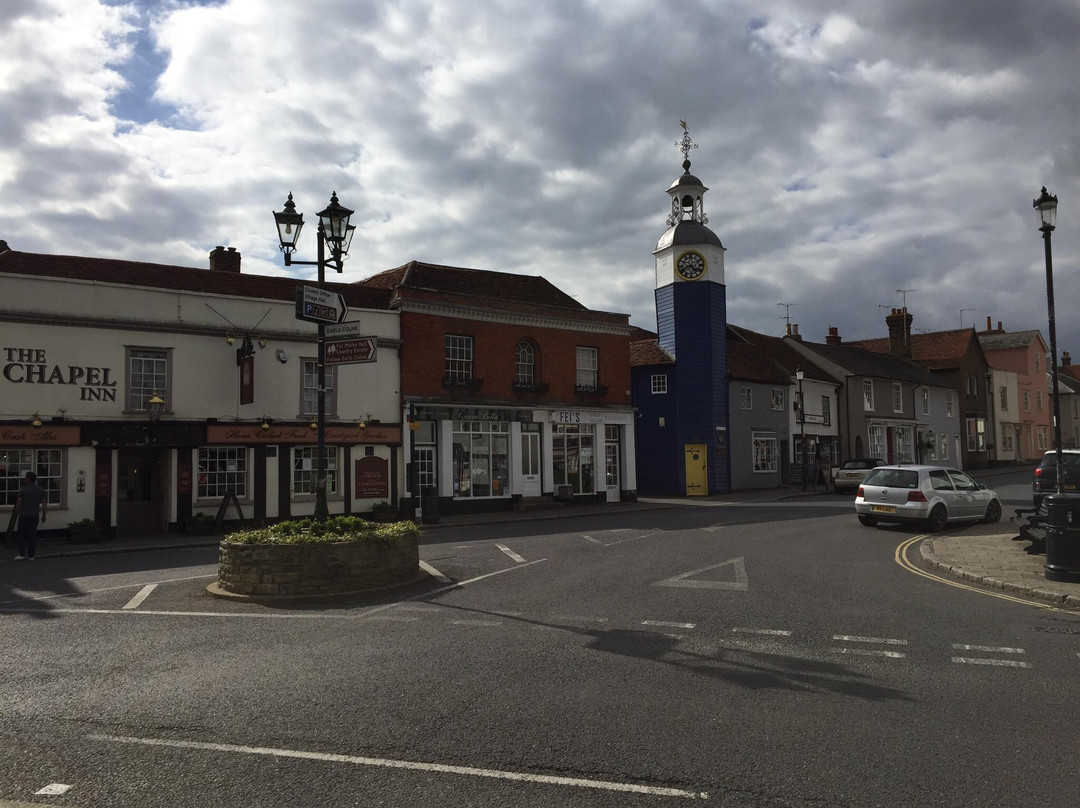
[30,366]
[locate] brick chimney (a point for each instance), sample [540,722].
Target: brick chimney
[222,260]
[899,322]
[793,331]
[1066,360]
[833,337]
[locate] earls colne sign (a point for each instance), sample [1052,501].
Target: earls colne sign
[31,366]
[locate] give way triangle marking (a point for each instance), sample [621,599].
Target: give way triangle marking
[741,582]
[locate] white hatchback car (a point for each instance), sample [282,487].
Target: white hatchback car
[931,495]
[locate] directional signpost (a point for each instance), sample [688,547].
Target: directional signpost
[319,305]
[346,346]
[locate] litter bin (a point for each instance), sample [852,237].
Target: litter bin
[1063,537]
[429,508]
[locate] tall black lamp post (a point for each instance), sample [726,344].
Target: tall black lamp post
[336,233]
[1046,206]
[802,427]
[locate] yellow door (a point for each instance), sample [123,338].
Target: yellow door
[697,474]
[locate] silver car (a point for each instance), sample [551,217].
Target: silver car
[931,495]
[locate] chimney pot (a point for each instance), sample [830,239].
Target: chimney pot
[1066,360]
[1000,326]
[833,337]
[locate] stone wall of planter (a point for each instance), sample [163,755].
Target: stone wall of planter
[314,570]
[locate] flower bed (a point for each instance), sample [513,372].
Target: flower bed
[315,559]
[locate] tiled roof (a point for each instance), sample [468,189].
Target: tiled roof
[748,363]
[1004,340]
[189,279]
[936,350]
[778,351]
[647,352]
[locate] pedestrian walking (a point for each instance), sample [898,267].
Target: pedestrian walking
[29,505]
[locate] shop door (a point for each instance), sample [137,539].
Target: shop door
[140,505]
[611,471]
[697,474]
[530,464]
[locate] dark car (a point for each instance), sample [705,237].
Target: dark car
[1045,481]
[851,474]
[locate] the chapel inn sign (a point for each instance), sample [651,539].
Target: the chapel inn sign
[31,366]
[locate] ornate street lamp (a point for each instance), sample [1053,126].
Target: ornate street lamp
[155,405]
[1046,207]
[802,427]
[336,233]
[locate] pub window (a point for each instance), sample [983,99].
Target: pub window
[222,469]
[304,462]
[148,372]
[47,464]
[309,388]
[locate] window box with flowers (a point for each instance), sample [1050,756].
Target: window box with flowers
[200,524]
[84,531]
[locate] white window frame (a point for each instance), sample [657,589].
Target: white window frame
[309,388]
[302,470]
[1027,401]
[776,399]
[976,434]
[1038,400]
[868,395]
[149,371]
[1043,438]
[458,355]
[50,466]
[876,441]
[1004,401]
[658,384]
[926,401]
[525,362]
[897,397]
[826,411]
[224,479]
[948,406]
[588,367]
[746,398]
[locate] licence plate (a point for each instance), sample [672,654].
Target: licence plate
[883,509]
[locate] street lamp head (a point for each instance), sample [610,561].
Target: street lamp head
[155,405]
[1046,207]
[335,223]
[799,374]
[289,224]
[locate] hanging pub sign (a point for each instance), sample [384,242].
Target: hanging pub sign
[247,380]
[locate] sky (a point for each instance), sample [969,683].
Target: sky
[852,149]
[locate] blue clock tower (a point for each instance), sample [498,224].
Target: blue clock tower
[691,324]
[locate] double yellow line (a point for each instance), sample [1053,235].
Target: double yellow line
[902,559]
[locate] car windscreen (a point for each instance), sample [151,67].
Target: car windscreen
[857,464]
[893,478]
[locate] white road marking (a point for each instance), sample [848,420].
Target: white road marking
[140,596]
[53,789]
[1003,663]
[590,538]
[517,559]
[879,640]
[574,618]
[476,622]
[391,618]
[632,538]
[664,624]
[103,589]
[990,649]
[713,528]
[868,652]
[741,582]
[777,632]
[434,573]
[441,768]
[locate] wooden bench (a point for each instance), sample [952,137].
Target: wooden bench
[1032,524]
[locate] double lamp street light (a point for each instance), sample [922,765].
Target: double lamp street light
[335,233]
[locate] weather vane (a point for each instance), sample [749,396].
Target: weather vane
[685,144]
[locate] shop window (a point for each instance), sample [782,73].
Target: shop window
[47,464]
[148,371]
[304,462]
[309,388]
[573,457]
[764,451]
[481,459]
[222,469]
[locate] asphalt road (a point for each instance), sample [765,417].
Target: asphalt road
[752,655]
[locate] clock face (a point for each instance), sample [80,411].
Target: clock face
[691,266]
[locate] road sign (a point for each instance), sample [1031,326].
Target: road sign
[351,351]
[319,305]
[342,331]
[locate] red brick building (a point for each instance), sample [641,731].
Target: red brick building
[512,390]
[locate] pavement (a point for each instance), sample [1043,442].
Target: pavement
[986,555]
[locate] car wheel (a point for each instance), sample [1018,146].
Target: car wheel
[993,512]
[937,519]
[869,521]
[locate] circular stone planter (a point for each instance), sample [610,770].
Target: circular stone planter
[314,570]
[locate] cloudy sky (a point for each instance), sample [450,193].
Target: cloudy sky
[851,148]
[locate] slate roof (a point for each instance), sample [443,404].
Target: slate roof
[1004,340]
[188,279]
[937,350]
[647,352]
[862,362]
